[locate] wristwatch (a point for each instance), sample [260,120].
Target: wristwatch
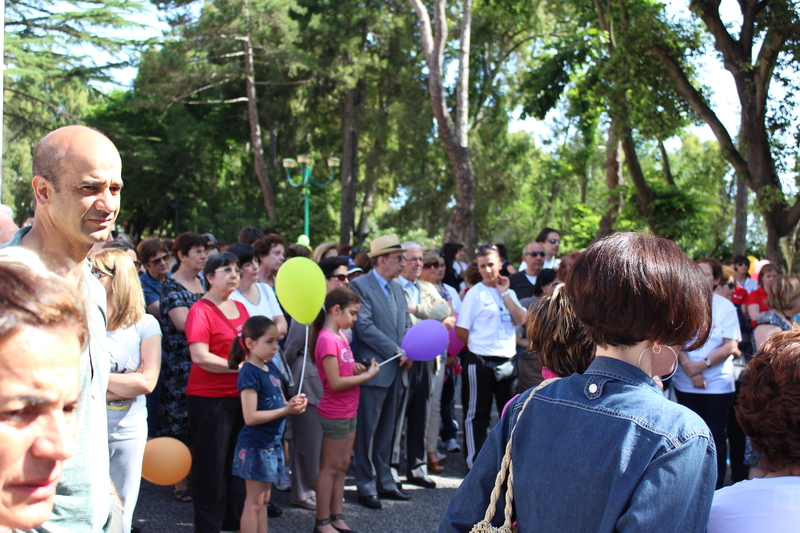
[707,362]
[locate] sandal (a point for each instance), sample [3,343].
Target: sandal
[183,496]
[337,518]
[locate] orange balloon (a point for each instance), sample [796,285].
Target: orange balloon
[166,461]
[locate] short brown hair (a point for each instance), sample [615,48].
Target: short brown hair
[186,241]
[628,288]
[37,299]
[265,244]
[769,401]
[557,336]
[783,292]
[148,249]
[250,234]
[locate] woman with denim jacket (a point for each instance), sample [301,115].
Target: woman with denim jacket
[605,451]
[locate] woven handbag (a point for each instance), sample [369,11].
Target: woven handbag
[485,525]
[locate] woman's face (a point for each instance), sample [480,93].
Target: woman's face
[767,278]
[337,278]
[39,391]
[159,265]
[249,274]
[741,267]
[271,262]
[195,260]
[224,280]
[724,289]
[489,267]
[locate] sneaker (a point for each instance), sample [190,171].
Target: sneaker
[452,445]
[310,504]
[284,482]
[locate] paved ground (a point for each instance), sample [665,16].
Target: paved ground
[157,512]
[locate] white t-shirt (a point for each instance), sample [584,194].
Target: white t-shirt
[267,302]
[491,328]
[719,378]
[762,504]
[455,299]
[125,417]
[553,263]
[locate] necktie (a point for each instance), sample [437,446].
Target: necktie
[392,302]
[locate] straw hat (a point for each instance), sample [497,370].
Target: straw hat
[385,244]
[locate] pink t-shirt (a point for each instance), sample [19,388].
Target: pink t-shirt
[336,404]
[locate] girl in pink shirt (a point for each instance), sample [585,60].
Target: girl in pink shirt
[341,377]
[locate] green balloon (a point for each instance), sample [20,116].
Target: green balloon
[303,239]
[300,285]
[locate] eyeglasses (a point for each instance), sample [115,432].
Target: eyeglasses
[534,254]
[554,241]
[198,251]
[138,265]
[399,258]
[340,277]
[228,270]
[741,263]
[432,264]
[731,285]
[157,260]
[483,247]
[98,273]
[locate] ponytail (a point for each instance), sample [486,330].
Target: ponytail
[255,328]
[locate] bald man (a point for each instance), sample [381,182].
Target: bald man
[76,186]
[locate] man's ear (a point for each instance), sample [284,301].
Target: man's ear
[42,190]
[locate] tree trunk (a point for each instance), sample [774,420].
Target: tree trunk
[740,225]
[255,132]
[461,226]
[349,156]
[644,194]
[613,170]
[665,167]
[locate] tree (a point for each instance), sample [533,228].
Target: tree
[775,24]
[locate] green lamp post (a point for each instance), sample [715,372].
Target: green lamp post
[306,180]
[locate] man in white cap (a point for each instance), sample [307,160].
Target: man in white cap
[382,322]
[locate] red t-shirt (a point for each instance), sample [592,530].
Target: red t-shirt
[758,296]
[204,325]
[739,296]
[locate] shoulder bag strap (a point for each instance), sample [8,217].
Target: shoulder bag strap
[211,305]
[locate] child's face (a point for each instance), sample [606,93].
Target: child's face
[265,347]
[347,317]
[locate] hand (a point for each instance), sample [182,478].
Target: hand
[374,367]
[297,405]
[450,362]
[405,362]
[449,322]
[694,368]
[412,309]
[698,382]
[359,369]
[736,353]
[503,284]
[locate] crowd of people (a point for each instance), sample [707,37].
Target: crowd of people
[627,356]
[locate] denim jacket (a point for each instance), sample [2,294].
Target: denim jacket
[598,452]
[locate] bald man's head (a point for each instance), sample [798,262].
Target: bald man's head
[55,146]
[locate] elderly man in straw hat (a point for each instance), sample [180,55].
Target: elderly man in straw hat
[382,322]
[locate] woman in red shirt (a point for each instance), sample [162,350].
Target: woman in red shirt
[756,302]
[215,414]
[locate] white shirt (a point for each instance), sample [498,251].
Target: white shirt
[719,378]
[491,328]
[552,263]
[749,284]
[124,347]
[267,304]
[455,299]
[761,504]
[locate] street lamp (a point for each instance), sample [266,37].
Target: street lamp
[306,180]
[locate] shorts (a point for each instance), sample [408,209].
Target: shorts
[337,428]
[258,464]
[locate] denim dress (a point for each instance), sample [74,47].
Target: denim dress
[602,452]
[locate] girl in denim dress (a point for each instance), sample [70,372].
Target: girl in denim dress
[259,457]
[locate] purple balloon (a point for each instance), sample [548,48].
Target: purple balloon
[425,340]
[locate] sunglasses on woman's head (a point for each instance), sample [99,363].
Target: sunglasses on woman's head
[340,277]
[483,247]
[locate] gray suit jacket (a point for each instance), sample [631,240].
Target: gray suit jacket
[377,332]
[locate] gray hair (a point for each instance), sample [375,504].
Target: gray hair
[410,245]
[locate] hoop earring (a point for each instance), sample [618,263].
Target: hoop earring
[674,366]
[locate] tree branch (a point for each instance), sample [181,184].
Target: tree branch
[695,100]
[462,89]
[231,101]
[732,53]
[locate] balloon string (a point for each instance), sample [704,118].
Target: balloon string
[390,359]
[303,371]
